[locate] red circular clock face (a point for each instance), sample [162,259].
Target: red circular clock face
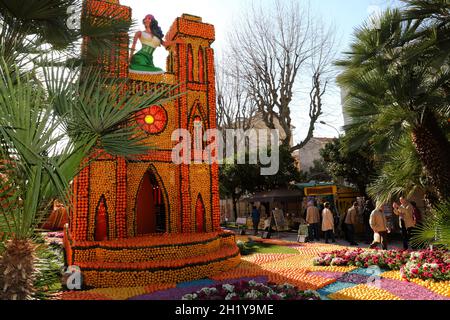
[153,120]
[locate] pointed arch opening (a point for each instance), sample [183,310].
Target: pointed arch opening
[190,64]
[151,208]
[101,220]
[201,65]
[200,213]
[197,139]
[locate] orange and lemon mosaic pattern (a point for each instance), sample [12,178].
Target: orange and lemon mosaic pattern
[297,269]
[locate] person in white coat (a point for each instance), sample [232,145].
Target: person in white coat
[380,228]
[405,212]
[328,223]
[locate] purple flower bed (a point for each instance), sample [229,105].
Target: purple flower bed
[58,235]
[179,292]
[327,274]
[252,290]
[353,278]
[409,290]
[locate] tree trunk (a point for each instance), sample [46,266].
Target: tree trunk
[434,152]
[430,200]
[234,208]
[17,270]
[362,188]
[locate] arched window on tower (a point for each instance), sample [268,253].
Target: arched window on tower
[190,64]
[201,65]
[197,139]
[101,220]
[200,215]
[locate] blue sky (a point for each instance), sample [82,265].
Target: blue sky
[344,15]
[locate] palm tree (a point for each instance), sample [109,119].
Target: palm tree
[401,173]
[435,230]
[47,134]
[30,28]
[50,120]
[397,78]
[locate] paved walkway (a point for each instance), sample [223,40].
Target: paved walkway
[292,236]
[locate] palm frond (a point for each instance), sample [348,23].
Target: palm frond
[435,230]
[401,174]
[47,19]
[100,110]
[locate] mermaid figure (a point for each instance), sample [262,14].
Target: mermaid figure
[151,38]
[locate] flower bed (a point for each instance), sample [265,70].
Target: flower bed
[391,260]
[425,264]
[251,290]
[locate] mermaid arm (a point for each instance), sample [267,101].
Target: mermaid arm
[133,47]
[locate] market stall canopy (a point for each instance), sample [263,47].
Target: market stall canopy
[276,195]
[313,184]
[318,189]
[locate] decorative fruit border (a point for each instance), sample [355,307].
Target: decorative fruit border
[160,274]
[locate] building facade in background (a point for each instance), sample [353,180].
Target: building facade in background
[306,156]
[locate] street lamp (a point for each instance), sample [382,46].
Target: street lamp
[326,124]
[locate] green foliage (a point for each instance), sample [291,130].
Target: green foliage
[401,173]
[397,76]
[387,73]
[44,19]
[238,179]
[29,24]
[287,173]
[435,230]
[356,167]
[319,172]
[47,132]
[49,266]
[252,247]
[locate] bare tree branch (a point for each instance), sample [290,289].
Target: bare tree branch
[235,109]
[271,53]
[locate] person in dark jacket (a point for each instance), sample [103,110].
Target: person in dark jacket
[367,211]
[351,220]
[256,217]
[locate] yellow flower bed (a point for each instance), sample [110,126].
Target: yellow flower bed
[442,288]
[363,292]
[291,262]
[300,278]
[393,275]
[332,269]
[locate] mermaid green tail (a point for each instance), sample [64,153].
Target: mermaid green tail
[142,61]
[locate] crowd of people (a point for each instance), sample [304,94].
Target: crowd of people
[376,228]
[324,220]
